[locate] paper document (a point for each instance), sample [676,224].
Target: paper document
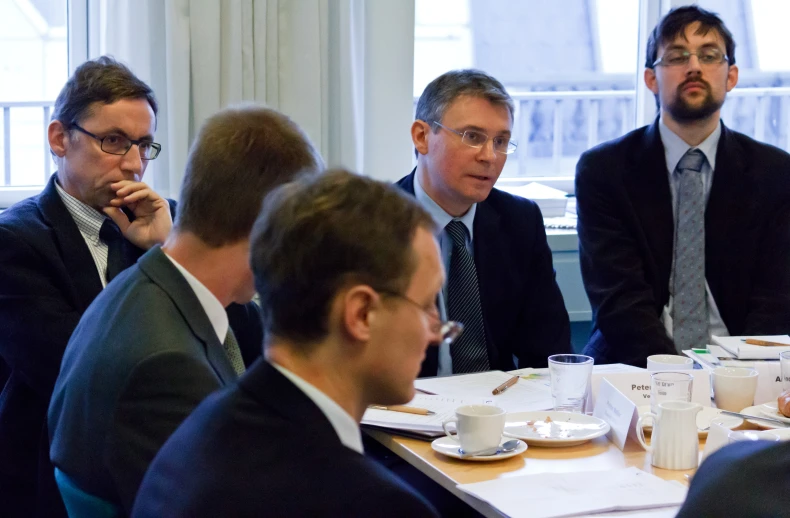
[476,388]
[743,351]
[442,406]
[550,495]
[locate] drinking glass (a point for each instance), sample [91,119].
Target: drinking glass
[784,367]
[570,381]
[669,386]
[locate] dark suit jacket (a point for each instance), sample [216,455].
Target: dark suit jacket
[263,448]
[743,479]
[626,234]
[523,310]
[143,356]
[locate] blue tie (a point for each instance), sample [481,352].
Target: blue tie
[689,306]
[469,351]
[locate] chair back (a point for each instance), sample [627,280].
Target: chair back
[80,504]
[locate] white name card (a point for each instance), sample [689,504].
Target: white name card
[616,409]
[636,386]
[769,382]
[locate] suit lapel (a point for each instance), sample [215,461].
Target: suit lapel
[163,272]
[71,246]
[648,189]
[725,213]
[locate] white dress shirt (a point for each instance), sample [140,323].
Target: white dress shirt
[674,149]
[346,428]
[442,219]
[211,304]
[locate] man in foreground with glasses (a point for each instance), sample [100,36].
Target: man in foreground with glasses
[501,283]
[60,248]
[684,225]
[348,272]
[158,340]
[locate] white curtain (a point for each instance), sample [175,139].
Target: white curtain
[306,58]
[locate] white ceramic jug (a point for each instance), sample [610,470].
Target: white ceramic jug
[674,443]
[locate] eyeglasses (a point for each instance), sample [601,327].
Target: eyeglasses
[706,56]
[478,139]
[449,329]
[120,145]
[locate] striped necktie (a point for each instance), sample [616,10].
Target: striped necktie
[469,352]
[689,306]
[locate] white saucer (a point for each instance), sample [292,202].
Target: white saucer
[771,410]
[782,433]
[564,428]
[451,448]
[756,411]
[705,417]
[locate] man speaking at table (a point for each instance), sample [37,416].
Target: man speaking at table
[348,272]
[501,282]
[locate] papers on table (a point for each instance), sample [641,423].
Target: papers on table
[552,202]
[527,394]
[743,351]
[549,495]
[428,425]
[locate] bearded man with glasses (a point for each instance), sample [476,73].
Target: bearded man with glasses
[684,224]
[501,283]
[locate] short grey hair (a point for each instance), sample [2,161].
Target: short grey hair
[442,91]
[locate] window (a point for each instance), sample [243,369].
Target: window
[574,68]
[34,64]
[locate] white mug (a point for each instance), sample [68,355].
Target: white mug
[669,362]
[479,427]
[734,387]
[674,443]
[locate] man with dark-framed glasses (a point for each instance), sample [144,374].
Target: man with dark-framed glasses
[684,224]
[501,282]
[59,249]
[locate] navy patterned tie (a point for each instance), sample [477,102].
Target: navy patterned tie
[689,306]
[110,234]
[469,351]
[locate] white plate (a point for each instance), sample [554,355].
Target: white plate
[564,429]
[451,448]
[705,417]
[757,412]
[771,410]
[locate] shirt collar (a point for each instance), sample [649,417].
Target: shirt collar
[439,214]
[88,219]
[345,426]
[675,147]
[211,304]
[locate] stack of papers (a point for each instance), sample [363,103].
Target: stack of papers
[743,351]
[423,426]
[551,495]
[526,395]
[552,202]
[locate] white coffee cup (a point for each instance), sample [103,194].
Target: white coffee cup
[734,387]
[479,427]
[675,442]
[669,362]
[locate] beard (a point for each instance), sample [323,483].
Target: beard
[682,111]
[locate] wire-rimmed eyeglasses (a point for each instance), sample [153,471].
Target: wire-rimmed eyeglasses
[478,139]
[120,145]
[678,57]
[450,330]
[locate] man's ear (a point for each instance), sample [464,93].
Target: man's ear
[358,309]
[650,80]
[732,77]
[419,136]
[58,138]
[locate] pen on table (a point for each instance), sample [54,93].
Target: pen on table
[403,408]
[503,387]
[754,341]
